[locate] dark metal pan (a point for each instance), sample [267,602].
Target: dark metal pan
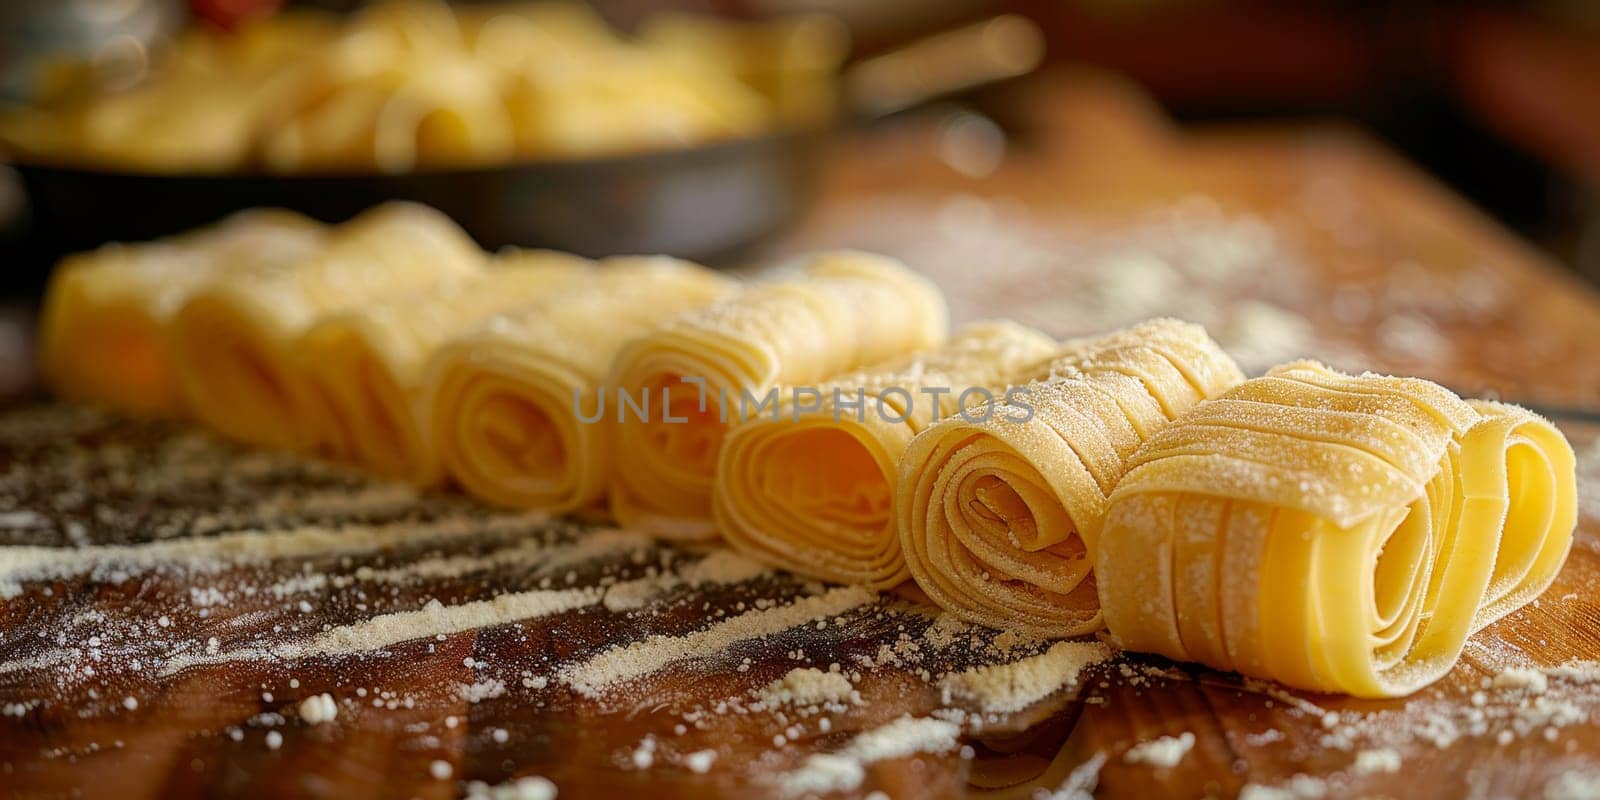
[696,202]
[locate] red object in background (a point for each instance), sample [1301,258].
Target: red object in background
[1232,54]
[227,14]
[1537,83]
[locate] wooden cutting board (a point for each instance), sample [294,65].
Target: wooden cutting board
[169,601]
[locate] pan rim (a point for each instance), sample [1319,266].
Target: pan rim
[690,153]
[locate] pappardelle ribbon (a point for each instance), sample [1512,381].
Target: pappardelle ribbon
[999,518]
[1333,532]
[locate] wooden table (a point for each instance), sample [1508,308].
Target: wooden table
[1286,242]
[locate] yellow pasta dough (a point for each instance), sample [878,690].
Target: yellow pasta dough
[236,341]
[811,487]
[404,85]
[425,110]
[693,378]
[505,401]
[1334,532]
[369,362]
[998,517]
[794,61]
[199,111]
[633,103]
[104,331]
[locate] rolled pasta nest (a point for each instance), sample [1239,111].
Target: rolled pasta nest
[1335,532]
[236,341]
[368,363]
[1327,531]
[999,516]
[811,488]
[680,389]
[516,408]
[103,336]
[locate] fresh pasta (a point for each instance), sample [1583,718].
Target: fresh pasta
[236,342]
[791,62]
[406,85]
[999,517]
[811,488]
[199,113]
[691,379]
[369,362]
[514,409]
[1334,532]
[104,335]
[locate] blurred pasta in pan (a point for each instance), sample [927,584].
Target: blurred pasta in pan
[402,86]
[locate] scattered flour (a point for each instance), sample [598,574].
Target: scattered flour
[723,566]
[1260,335]
[719,568]
[699,762]
[945,630]
[1162,753]
[213,554]
[1014,686]
[1573,785]
[529,788]
[22,519]
[1300,787]
[843,771]
[389,629]
[1578,672]
[318,708]
[1518,700]
[1533,680]
[809,686]
[1081,782]
[1373,762]
[482,690]
[625,663]
[645,754]
[1588,469]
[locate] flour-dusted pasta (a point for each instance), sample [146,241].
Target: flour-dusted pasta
[369,362]
[811,487]
[999,517]
[692,379]
[104,336]
[236,342]
[1334,532]
[515,408]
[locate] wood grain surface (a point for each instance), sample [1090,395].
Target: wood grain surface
[137,548]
